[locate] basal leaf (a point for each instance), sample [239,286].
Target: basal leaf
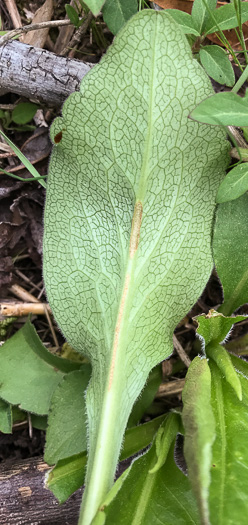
[217,64]
[128,220]
[230,249]
[68,475]
[226,18]
[67,428]
[199,424]
[28,372]
[226,109]
[117,12]
[185,21]
[228,498]
[5,417]
[234,184]
[145,498]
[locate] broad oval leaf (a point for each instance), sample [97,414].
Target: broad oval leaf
[234,184]
[128,220]
[217,64]
[230,250]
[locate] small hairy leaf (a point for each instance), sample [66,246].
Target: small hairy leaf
[226,109]
[217,64]
[214,327]
[117,12]
[199,424]
[226,18]
[28,372]
[5,417]
[67,429]
[128,220]
[234,184]
[230,249]
[228,498]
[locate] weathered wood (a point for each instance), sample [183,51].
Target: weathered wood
[25,501]
[38,74]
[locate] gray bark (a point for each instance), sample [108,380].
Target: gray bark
[39,75]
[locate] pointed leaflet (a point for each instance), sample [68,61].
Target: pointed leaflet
[128,218]
[199,424]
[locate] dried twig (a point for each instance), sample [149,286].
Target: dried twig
[32,27]
[13,12]
[171,388]
[22,309]
[77,37]
[181,352]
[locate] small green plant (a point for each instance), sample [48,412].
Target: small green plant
[139,157]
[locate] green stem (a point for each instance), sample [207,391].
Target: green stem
[240,81]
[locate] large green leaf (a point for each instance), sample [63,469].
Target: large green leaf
[128,221]
[67,428]
[28,372]
[199,424]
[231,252]
[228,497]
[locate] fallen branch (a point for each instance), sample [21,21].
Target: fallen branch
[39,75]
[24,499]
